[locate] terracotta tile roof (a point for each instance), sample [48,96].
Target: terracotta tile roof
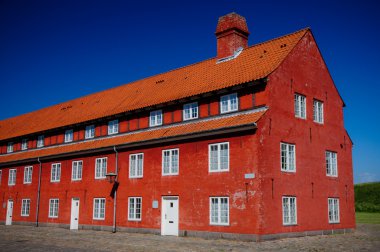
[138,137]
[253,63]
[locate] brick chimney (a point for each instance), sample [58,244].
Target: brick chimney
[231,34]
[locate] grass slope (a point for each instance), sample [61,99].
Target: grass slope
[367,197]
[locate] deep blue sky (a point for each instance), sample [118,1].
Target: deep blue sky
[53,51]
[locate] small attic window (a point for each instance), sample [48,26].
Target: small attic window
[159,81]
[283,45]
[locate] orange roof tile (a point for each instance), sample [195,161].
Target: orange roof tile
[253,63]
[140,136]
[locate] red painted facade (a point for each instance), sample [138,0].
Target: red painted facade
[255,204]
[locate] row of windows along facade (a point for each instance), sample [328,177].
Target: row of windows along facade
[219,209]
[228,103]
[219,159]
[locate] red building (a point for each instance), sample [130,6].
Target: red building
[250,144]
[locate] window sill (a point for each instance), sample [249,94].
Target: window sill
[220,225]
[218,171]
[139,177]
[289,225]
[289,172]
[136,220]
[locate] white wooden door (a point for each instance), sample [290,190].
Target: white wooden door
[8,220]
[169,218]
[74,214]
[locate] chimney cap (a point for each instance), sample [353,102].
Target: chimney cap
[232,21]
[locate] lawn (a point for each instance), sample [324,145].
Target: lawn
[370,218]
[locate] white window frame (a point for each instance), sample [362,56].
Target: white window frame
[55,174]
[89,132]
[25,207]
[286,205]
[219,168]
[24,144]
[331,163]
[69,135]
[10,147]
[113,127]
[300,106]
[134,167]
[290,161]
[219,211]
[228,100]
[190,111]
[318,114]
[77,170]
[40,141]
[97,214]
[333,212]
[133,210]
[53,208]
[28,173]
[102,173]
[155,118]
[12,177]
[171,170]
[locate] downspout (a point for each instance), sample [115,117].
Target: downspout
[38,191]
[115,195]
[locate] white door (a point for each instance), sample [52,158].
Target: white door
[74,214]
[8,221]
[169,218]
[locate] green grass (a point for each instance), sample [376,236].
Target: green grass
[368,218]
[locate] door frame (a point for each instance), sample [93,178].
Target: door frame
[71,213]
[163,211]
[8,223]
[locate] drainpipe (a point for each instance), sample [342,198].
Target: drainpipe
[39,190]
[115,194]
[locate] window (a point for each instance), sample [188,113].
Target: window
[99,208]
[10,147]
[40,141]
[219,156]
[55,172]
[136,162]
[12,177]
[76,173]
[28,170]
[318,111]
[228,103]
[333,210]
[289,210]
[25,207]
[300,106]
[288,157]
[53,208]
[24,144]
[331,164]
[90,132]
[100,168]
[1,175]
[190,111]
[155,118]
[219,211]
[170,162]
[68,136]
[134,208]
[113,127]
